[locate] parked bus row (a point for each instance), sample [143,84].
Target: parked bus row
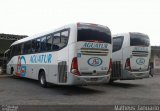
[80,54]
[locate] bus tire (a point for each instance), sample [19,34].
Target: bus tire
[11,73]
[42,79]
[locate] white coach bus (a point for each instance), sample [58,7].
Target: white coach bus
[75,54]
[131,54]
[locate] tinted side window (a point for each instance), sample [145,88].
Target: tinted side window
[56,41]
[43,44]
[33,49]
[19,49]
[22,48]
[7,56]
[15,51]
[27,47]
[49,43]
[12,51]
[64,38]
[38,45]
[117,43]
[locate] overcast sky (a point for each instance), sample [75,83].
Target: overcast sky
[29,17]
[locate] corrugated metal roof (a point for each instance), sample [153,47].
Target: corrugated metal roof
[6,40]
[11,36]
[155,47]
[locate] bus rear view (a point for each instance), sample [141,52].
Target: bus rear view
[92,63]
[140,55]
[131,54]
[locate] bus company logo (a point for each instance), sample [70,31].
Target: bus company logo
[140,49]
[140,61]
[95,61]
[95,45]
[21,68]
[44,58]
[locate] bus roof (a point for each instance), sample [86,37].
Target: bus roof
[40,34]
[63,27]
[128,33]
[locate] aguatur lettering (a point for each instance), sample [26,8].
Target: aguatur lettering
[44,58]
[140,49]
[95,45]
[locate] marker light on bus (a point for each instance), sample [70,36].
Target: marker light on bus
[128,64]
[74,67]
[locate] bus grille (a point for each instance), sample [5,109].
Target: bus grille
[94,51]
[140,53]
[116,70]
[62,71]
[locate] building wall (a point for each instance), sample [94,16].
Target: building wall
[155,59]
[156,64]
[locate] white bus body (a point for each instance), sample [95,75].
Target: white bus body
[131,54]
[76,54]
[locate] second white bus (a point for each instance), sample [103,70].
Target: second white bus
[76,54]
[131,54]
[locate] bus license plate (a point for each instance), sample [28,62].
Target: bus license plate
[93,79]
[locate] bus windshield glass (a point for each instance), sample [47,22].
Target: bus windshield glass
[139,39]
[93,34]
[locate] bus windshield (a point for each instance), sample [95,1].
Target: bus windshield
[137,39]
[93,34]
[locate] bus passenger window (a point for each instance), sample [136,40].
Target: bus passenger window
[27,47]
[15,50]
[64,38]
[12,50]
[38,45]
[22,49]
[33,48]
[43,44]
[19,49]
[56,41]
[49,43]
[117,43]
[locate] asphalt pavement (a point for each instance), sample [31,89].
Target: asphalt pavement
[22,91]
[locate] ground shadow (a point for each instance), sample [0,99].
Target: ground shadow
[64,90]
[76,90]
[124,85]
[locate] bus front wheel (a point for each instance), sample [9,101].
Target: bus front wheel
[42,79]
